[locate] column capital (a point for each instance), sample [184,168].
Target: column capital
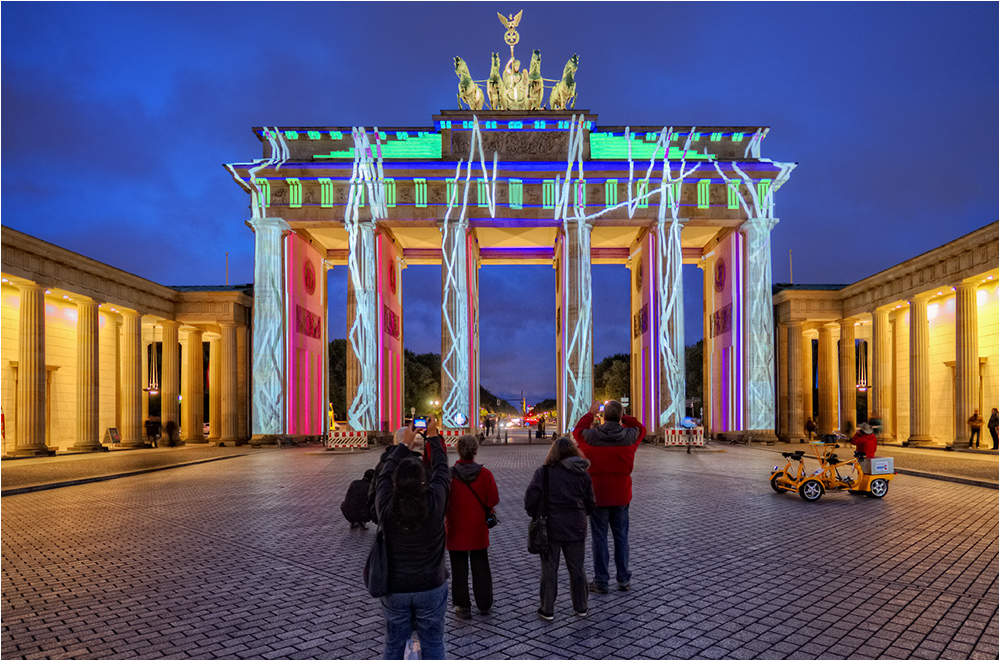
[257,224]
[759,223]
[170,323]
[967,285]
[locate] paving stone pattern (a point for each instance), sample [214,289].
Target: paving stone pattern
[251,558]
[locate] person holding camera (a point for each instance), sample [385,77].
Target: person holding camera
[473,496]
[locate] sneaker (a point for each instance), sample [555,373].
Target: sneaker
[485,612]
[594,587]
[624,587]
[545,616]
[580,613]
[463,613]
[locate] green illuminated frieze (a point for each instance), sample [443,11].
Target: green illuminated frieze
[421,145]
[607,146]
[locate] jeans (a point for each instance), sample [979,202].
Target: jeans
[617,516]
[424,610]
[482,579]
[974,437]
[574,552]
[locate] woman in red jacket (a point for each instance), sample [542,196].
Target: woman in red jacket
[473,492]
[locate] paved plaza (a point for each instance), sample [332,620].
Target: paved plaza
[243,553]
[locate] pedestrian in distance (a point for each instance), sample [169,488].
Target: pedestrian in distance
[992,426]
[473,495]
[411,501]
[172,433]
[355,505]
[976,425]
[563,488]
[864,439]
[810,427]
[611,448]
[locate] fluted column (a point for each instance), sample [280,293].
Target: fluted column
[920,380]
[881,374]
[31,373]
[194,400]
[758,322]
[228,392]
[88,431]
[806,375]
[782,375]
[131,380]
[827,391]
[170,379]
[848,378]
[214,391]
[796,419]
[242,381]
[966,360]
[575,387]
[269,326]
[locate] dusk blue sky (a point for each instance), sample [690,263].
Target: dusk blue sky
[117,119]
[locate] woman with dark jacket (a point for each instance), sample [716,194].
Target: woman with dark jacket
[570,500]
[411,501]
[473,491]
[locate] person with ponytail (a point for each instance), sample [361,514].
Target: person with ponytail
[411,500]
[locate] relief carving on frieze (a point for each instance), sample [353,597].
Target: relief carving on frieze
[512,145]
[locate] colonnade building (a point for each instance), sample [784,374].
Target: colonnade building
[914,347]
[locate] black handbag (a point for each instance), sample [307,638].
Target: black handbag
[376,571]
[491,516]
[538,528]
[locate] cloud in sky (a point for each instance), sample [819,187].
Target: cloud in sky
[118,117]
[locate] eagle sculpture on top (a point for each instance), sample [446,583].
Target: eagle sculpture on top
[511,24]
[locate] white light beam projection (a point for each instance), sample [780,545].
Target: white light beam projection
[456,325]
[362,260]
[759,320]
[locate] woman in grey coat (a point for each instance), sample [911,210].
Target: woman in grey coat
[570,500]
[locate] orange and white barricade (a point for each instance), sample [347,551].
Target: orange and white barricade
[346,439]
[694,436]
[450,436]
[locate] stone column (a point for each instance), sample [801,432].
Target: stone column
[456,320]
[796,420]
[229,425]
[966,361]
[31,373]
[920,370]
[194,400]
[848,378]
[214,391]
[827,390]
[758,324]
[170,379]
[707,383]
[807,380]
[782,376]
[242,380]
[576,354]
[88,431]
[669,282]
[268,328]
[881,374]
[132,432]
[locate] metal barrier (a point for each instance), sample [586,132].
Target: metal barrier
[694,436]
[346,439]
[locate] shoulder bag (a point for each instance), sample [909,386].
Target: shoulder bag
[491,516]
[538,528]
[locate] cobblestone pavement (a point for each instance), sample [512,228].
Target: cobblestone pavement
[251,558]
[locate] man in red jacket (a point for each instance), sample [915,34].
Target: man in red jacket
[610,447]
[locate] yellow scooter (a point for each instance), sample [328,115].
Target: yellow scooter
[858,475]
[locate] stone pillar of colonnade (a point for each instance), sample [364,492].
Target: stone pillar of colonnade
[881,374]
[459,305]
[214,391]
[228,391]
[708,385]
[806,376]
[170,378]
[827,385]
[574,320]
[966,362]
[920,381]
[194,392]
[88,431]
[848,378]
[132,432]
[758,320]
[796,421]
[782,376]
[268,329]
[31,378]
[669,283]
[242,381]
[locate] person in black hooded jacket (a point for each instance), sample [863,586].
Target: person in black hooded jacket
[570,501]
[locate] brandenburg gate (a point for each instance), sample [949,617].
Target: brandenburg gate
[515,183]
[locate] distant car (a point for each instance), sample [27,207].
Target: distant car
[207,428]
[531,420]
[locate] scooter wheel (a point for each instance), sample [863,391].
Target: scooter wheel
[811,490]
[774,483]
[878,488]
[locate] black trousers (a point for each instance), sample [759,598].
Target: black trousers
[482,579]
[574,554]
